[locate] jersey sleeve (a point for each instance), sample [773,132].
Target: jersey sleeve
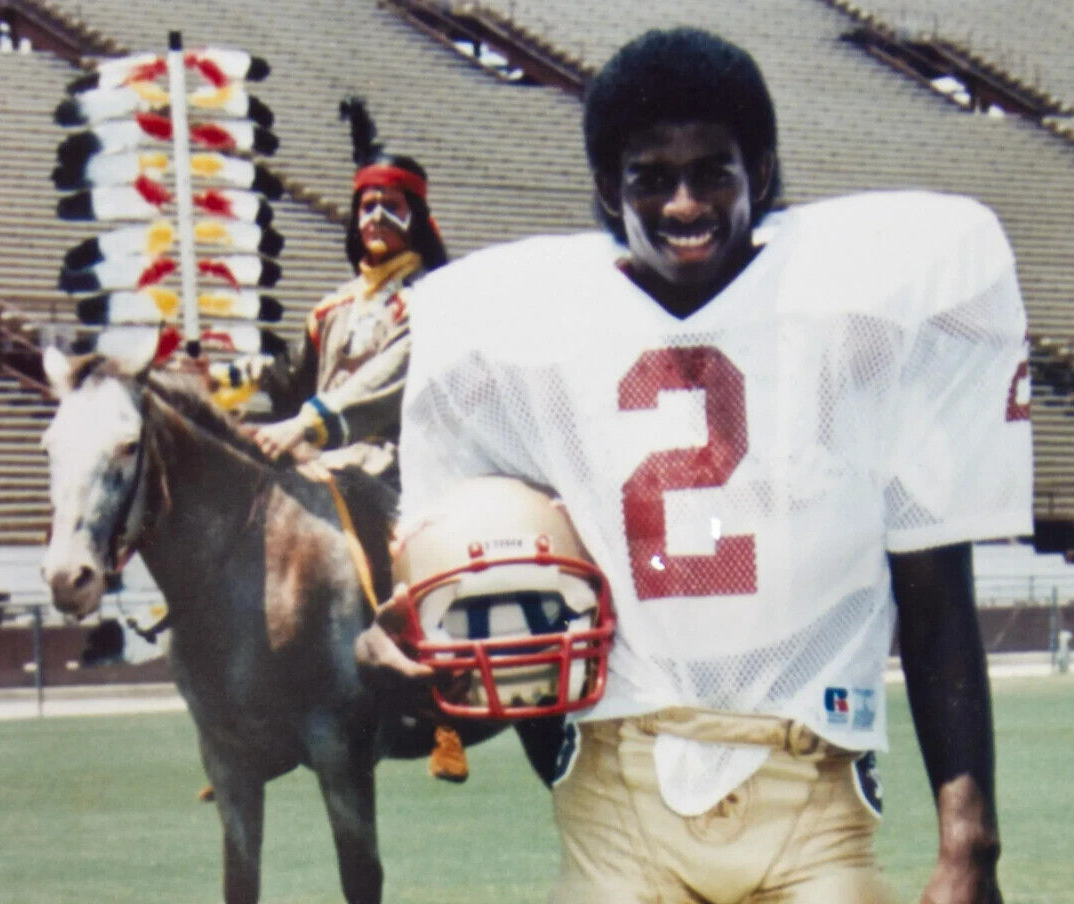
[960,465]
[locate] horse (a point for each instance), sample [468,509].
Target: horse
[263,594]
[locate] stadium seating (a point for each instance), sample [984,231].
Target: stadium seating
[506,160]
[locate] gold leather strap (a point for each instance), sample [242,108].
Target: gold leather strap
[354,545]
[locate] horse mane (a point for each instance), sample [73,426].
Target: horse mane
[187,396]
[180,391]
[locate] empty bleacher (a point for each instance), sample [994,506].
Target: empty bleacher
[506,160]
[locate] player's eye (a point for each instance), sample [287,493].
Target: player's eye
[712,174]
[650,178]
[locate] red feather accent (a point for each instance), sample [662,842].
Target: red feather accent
[208,69]
[153,192]
[218,268]
[167,343]
[212,136]
[155,125]
[156,271]
[213,202]
[147,71]
[218,339]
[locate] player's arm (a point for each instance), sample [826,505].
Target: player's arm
[947,685]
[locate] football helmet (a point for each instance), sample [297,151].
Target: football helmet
[504,598]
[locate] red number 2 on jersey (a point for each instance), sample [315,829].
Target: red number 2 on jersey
[732,568]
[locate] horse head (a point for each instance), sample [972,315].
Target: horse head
[97,470]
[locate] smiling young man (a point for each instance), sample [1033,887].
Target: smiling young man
[769,450]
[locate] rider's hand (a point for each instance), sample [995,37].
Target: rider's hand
[378,644]
[276,439]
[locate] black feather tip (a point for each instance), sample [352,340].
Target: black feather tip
[87,82]
[69,113]
[363,130]
[270,310]
[259,112]
[77,207]
[84,254]
[265,142]
[266,183]
[258,69]
[264,214]
[93,309]
[76,149]
[271,243]
[270,274]
[271,344]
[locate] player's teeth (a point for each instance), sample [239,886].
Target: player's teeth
[689,241]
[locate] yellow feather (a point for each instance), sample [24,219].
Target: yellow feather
[159,238]
[216,305]
[151,93]
[166,300]
[211,232]
[208,98]
[206,164]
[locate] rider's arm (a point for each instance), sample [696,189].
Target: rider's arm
[367,402]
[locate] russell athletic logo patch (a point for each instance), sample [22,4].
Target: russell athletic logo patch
[853,706]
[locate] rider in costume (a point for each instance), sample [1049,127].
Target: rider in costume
[341,396]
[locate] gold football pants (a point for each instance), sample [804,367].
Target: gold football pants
[796,832]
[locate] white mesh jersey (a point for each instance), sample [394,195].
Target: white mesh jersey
[740,474]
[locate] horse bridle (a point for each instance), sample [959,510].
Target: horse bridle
[116,558]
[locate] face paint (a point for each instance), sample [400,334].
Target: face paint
[378,212]
[384,218]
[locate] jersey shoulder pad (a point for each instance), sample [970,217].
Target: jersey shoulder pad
[901,255]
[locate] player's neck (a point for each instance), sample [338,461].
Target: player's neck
[683,299]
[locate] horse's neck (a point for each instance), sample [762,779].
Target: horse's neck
[210,493]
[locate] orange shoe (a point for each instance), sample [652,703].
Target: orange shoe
[448,759]
[207,794]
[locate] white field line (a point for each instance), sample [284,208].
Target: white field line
[97,700]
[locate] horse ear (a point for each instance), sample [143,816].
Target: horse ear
[58,370]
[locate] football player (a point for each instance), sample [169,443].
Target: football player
[774,431]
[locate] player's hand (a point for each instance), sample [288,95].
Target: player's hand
[965,870]
[962,883]
[378,644]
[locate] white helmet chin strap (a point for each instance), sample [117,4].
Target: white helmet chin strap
[380,212]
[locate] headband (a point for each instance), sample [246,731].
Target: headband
[382,175]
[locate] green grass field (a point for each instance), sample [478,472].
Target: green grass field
[103,809]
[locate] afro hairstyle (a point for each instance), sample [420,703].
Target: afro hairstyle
[677,76]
